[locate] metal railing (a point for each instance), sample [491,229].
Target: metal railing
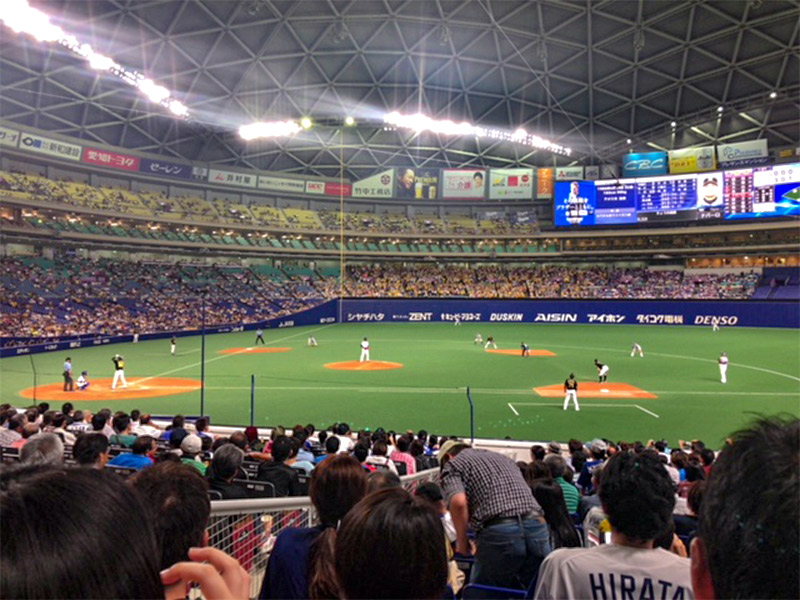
[247,529]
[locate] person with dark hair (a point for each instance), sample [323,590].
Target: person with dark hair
[223,470]
[345,441]
[487,492]
[178,422]
[401,455]
[176,500]
[413,565]
[707,457]
[331,448]
[278,473]
[91,450]
[417,451]
[201,427]
[638,497]
[123,435]
[378,458]
[239,440]
[558,469]
[141,456]
[747,540]
[13,432]
[69,382]
[380,480]
[294,461]
[550,497]
[55,557]
[360,453]
[301,563]
[146,427]
[67,408]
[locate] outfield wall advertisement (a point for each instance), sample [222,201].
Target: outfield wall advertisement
[601,312]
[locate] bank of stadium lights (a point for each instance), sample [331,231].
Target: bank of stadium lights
[18,16]
[268,129]
[419,123]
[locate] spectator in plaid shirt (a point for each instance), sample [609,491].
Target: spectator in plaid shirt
[486,491]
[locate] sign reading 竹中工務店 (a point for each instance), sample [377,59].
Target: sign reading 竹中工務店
[380,185]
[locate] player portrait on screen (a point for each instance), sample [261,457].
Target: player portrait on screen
[405,183]
[577,206]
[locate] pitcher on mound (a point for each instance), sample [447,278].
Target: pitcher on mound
[364,351]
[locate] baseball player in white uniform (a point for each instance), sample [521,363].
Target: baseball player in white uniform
[173,345]
[478,338]
[364,351]
[723,367]
[602,371]
[490,342]
[571,392]
[636,348]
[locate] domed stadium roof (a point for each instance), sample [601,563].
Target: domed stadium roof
[588,75]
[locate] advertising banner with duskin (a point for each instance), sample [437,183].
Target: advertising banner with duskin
[645,164]
[698,313]
[112,160]
[511,183]
[33,142]
[743,154]
[692,160]
[165,168]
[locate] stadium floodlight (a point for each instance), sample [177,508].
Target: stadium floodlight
[419,123]
[306,122]
[349,121]
[271,129]
[18,16]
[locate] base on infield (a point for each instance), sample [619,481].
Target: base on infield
[519,352]
[591,389]
[369,365]
[100,390]
[255,350]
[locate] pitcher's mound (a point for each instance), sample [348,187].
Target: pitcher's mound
[519,352]
[370,365]
[587,389]
[256,350]
[100,390]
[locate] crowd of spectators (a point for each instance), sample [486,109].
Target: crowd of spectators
[602,519]
[72,296]
[395,280]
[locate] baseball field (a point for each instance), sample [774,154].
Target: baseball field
[419,372]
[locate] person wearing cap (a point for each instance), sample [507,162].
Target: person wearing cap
[571,391]
[597,450]
[191,446]
[487,493]
[723,367]
[602,371]
[364,351]
[83,381]
[119,371]
[554,448]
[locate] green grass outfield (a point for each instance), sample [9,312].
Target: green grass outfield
[440,360]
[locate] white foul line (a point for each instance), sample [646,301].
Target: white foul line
[647,411]
[197,364]
[587,405]
[514,410]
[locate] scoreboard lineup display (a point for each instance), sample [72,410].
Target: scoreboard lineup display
[735,194]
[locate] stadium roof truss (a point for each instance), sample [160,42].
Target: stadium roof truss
[589,75]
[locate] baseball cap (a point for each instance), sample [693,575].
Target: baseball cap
[554,447]
[447,446]
[192,444]
[598,445]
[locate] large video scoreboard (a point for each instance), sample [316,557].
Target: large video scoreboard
[720,195]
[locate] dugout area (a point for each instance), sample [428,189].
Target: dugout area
[673,392]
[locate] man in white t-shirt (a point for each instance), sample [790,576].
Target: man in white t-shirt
[638,497]
[364,350]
